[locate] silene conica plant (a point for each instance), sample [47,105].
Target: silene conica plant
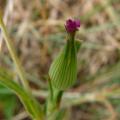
[62,75]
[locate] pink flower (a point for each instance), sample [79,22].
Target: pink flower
[72,25]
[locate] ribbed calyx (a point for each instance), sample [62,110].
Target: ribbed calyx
[63,70]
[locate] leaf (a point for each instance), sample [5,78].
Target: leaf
[4,91]
[8,100]
[9,107]
[32,106]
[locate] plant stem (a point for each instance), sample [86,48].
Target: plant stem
[13,54]
[53,103]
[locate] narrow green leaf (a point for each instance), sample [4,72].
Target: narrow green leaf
[9,106]
[32,106]
[8,101]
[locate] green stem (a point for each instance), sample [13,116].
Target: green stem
[53,105]
[13,54]
[53,101]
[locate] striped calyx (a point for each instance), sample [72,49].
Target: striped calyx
[63,70]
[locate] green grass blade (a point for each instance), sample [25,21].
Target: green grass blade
[31,105]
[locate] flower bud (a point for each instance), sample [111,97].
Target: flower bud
[63,71]
[72,25]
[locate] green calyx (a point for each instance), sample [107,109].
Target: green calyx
[63,70]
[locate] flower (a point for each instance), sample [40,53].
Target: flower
[63,70]
[72,25]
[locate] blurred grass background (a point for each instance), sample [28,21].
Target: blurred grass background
[37,30]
